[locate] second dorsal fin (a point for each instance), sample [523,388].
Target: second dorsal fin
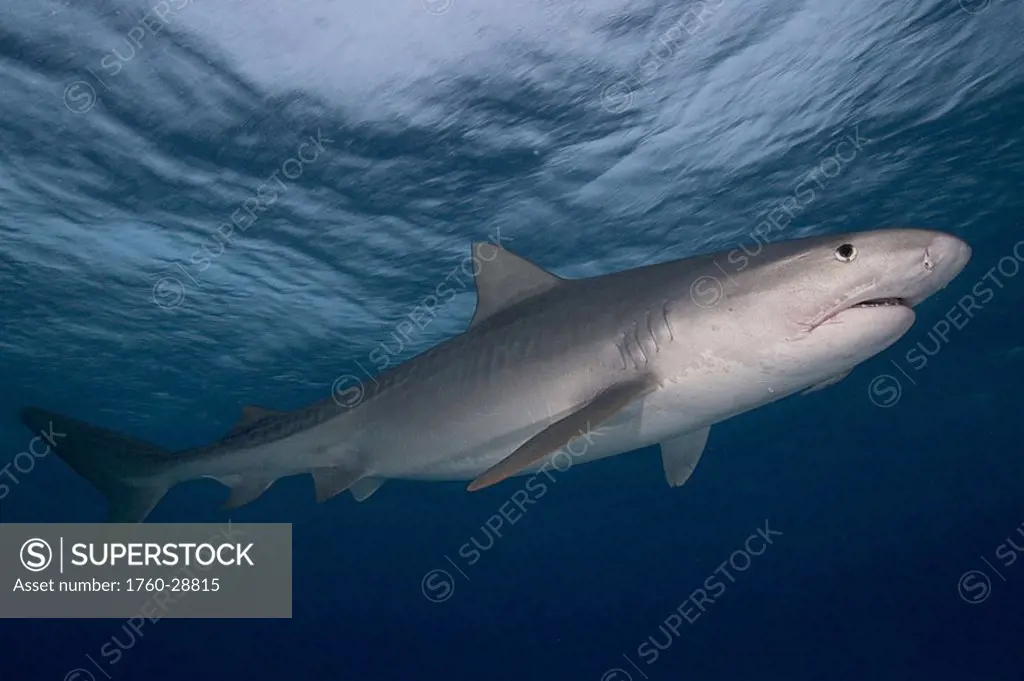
[251,414]
[504,279]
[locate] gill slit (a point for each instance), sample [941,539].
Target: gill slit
[668,325]
[639,344]
[654,336]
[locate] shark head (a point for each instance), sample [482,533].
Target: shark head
[869,279]
[822,305]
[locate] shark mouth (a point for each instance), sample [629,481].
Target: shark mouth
[874,302]
[884,302]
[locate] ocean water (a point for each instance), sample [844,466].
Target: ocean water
[378,141]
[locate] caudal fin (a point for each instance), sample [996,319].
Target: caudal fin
[122,468]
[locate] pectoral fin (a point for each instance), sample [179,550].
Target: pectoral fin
[680,455]
[558,434]
[332,481]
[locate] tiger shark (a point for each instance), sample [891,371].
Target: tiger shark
[652,355]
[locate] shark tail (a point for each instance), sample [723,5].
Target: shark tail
[124,469]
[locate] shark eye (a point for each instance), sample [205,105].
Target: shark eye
[846,253]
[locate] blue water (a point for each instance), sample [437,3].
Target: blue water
[594,136]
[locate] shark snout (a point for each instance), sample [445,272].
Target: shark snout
[947,256]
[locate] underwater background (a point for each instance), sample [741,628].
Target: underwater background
[137,293]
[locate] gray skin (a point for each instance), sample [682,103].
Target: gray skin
[671,349]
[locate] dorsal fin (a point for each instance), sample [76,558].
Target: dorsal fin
[251,414]
[504,279]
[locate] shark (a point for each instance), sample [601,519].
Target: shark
[654,355]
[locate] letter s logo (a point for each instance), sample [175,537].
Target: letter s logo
[36,555]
